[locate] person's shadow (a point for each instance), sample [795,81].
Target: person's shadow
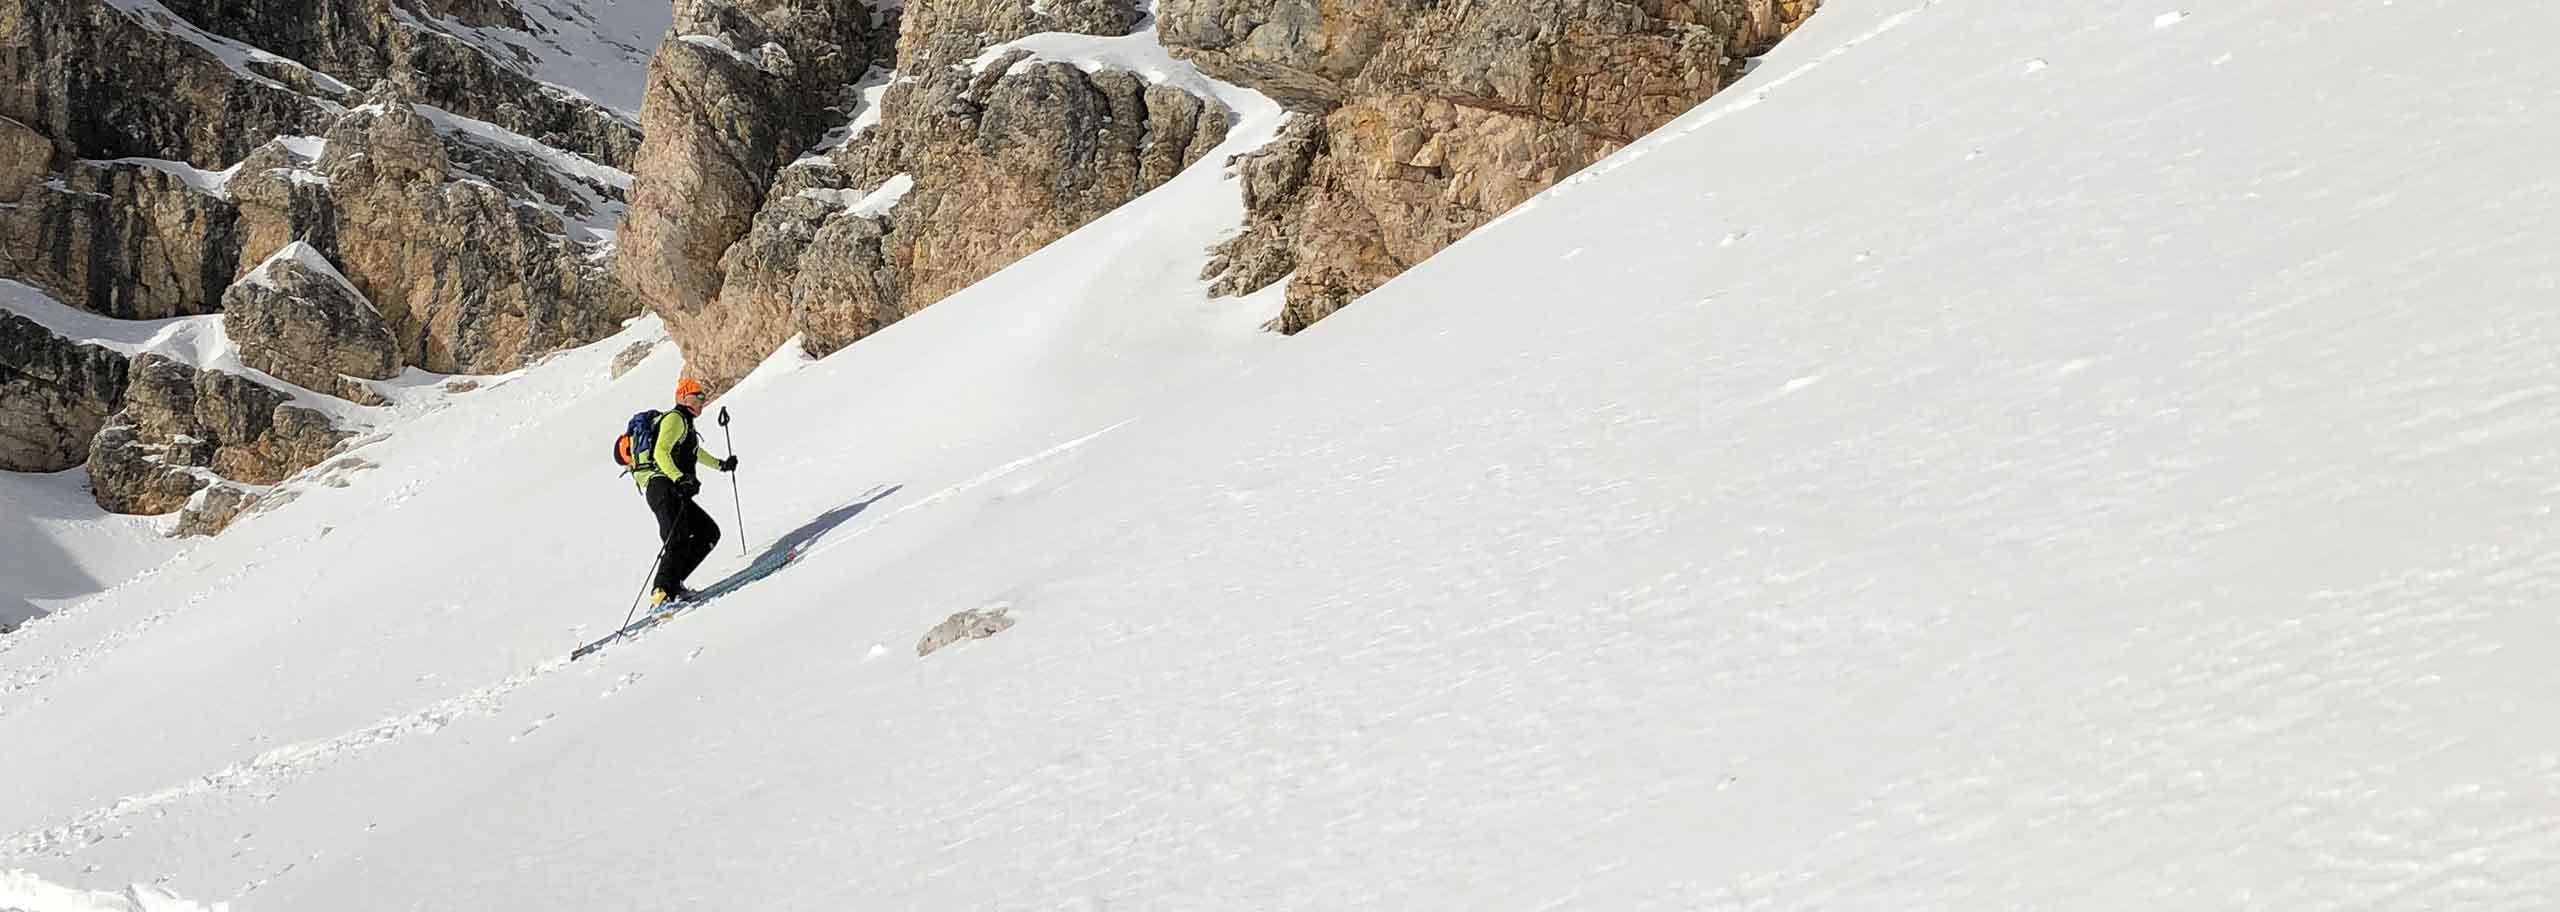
[785,549]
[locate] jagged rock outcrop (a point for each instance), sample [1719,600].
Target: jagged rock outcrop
[187,82]
[181,429]
[443,71]
[1422,124]
[735,94]
[54,396]
[1042,149]
[129,240]
[471,261]
[469,279]
[297,318]
[101,82]
[25,158]
[967,169]
[1020,156]
[282,198]
[1272,178]
[475,276]
[212,509]
[942,33]
[164,159]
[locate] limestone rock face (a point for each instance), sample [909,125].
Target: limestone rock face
[740,91]
[166,97]
[964,170]
[54,396]
[297,318]
[105,83]
[282,198]
[126,240]
[1043,148]
[164,159]
[1274,178]
[941,33]
[179,427]
[436,69]
[25,158]
[467,280]
[848,286]
[211,510]
[1423,122]
[967,170]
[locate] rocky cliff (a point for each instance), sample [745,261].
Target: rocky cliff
[361,187]
[1420,122]
[1423,121]
[965,161]
[54,396]
[357,186]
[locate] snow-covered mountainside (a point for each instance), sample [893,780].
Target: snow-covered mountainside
[57,548]
[2055,455]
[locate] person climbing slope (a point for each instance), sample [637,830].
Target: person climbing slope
[669,475]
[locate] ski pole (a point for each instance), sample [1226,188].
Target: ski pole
[644,586]
[731,437]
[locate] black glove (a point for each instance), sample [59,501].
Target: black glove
[689,485]
[730,464]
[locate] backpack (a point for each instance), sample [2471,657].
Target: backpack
[639,439]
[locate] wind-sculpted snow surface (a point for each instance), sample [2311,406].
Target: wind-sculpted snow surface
[1923,479]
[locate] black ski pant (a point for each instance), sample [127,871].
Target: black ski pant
[685,532]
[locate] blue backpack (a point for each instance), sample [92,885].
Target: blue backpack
[639,439]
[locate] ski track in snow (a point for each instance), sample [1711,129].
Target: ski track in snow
[261,775]
[89,652]
[264,774]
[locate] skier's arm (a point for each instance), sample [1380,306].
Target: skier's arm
[671,428]
[703,457]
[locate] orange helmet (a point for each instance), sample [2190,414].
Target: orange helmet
[687,387]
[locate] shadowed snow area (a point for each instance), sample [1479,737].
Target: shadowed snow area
[1998,455]
[57,547]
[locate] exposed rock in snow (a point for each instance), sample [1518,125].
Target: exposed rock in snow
[631,357]
[213,508]
[973,624]
[181,429]
[54,395]
[1434,123]
[297,318]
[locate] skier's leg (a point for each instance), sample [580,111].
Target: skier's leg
[707,529]
[695,537]
[669,508]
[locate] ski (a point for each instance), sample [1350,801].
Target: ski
[764,566]
[655,617]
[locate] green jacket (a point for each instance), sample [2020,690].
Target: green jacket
[677,450]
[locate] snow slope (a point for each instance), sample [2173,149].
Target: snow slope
[57,547]
[2050,455]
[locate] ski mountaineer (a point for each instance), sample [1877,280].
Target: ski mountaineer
[670,477]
